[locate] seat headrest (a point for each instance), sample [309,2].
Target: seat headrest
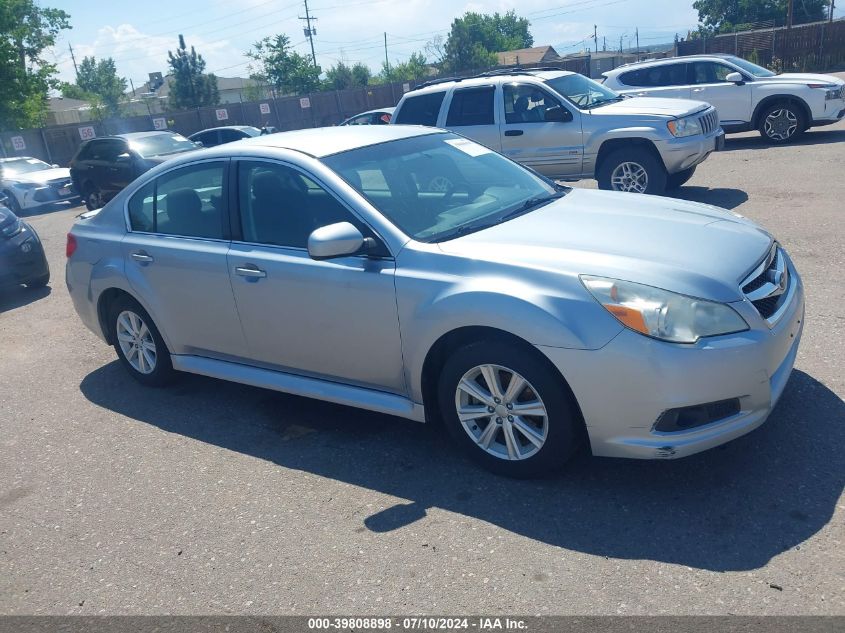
[183,202]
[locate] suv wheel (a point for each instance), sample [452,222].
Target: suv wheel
[507,410]
[139,345]
[634,170]
[93,198]
[674,181]
[781,122]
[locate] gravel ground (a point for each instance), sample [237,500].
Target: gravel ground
[214,498]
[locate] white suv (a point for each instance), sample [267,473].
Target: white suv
[746,96]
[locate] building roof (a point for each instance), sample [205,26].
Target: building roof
[223,84]
[60,104]
[526,56]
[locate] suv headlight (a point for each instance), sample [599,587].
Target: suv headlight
[661,314]
[11,229]
[688,126]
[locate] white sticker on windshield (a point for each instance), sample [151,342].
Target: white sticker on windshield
[468,147]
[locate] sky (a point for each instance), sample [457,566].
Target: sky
[138,33]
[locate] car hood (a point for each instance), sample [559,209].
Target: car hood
[652,106]
[801,78]
[686,247]
[43,176]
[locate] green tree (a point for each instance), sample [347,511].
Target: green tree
[361,74]
[342,76]
[26,31]
[475,38]
[98,83]
[720,16]
[190,87]
[282,67]
[414,68]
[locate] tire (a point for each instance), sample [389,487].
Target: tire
[92,197]
[122,325]
[675,181]
[556,435]
[781,123]
[612,174]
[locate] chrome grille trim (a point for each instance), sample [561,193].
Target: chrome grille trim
[709,121]
[770,286]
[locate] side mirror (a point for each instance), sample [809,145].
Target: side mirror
[54,166]
[125,157]
[199,143]
[735,78]
[558,114]
[334,240]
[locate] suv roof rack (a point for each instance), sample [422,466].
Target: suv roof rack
[516,70]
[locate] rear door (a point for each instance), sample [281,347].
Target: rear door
[553,148]
[732,101]
[662,80]
[175,258]
[471,112]
[113,166]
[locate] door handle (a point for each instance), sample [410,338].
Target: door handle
[250,272]
[144,258]
[698,89]
[513,132]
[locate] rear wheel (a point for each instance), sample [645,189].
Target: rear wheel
[93,197]
[507,409]
[633,170]
[781,122]
[674,181]
[138,344]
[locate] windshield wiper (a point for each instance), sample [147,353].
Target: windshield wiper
[603,101]
[531,204]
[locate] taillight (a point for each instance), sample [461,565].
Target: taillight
[70,247]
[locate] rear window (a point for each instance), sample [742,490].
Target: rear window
[471,106]
[420,110]
[656,76]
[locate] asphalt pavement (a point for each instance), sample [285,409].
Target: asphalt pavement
[215,498]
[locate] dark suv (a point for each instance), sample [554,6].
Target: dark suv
[104,166]
[225,134]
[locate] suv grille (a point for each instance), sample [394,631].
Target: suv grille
[709,121]
[767,287]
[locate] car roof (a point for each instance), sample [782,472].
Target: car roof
[485,79]
[325,141]
[226,127]
[666,60]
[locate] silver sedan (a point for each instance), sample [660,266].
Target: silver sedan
[529,317]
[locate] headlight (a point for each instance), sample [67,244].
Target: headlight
[684,127]
[12,229]
[661,314]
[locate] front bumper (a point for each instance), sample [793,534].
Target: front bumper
[22,258]
[47,194]
[683,153]
[624,387]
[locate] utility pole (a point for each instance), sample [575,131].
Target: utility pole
[620,44]
[76,70]
[789,15]
[595,37]
[604,44]
[637,31]
[310,32]
[386,60]
[830,16]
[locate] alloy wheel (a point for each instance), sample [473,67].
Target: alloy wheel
[780,124]
[136,342]
[502,412]
[629,176]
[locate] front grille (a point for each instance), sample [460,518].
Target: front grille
[709,121]
[767,287]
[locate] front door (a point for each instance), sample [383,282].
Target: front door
[732,101]
[334,319]
[175,258]
[553,148]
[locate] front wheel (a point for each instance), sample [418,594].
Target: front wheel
[675,181]
[93,198]
[138,344]
[507,409]
[781,123]
[632,170]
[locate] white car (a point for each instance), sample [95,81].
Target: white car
[30,183]
[746,96]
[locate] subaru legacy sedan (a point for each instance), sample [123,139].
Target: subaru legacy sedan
[527,316]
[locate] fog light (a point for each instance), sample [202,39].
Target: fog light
[685,418]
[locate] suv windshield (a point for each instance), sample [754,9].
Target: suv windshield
[754,69]
[160,144]
[439,186]
[17,166]
[582,91]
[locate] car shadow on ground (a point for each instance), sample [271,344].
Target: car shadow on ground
[18,296]
[816,136]
[731,508]
[718,196]
[49,208]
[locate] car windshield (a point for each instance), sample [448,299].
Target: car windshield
[754,69]
[18,166]
[582,91]
[439,186]
[161,144]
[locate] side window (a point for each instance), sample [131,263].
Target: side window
[142,209]
[110,150]
[709,72]
[420,110]
[228,136]
[656,76]
[280,206]
[471,106]
[526,104]
[190,202]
